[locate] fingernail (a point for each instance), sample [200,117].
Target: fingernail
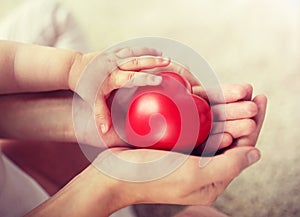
[156,80]
[159,53]
[253,156]
[103,128]
[166,60]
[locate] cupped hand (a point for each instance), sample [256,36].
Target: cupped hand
[193,183]
[190,184]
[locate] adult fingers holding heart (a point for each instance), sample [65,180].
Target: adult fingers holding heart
[234,113]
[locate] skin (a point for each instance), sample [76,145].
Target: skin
[232,162]
[203,185]
[61,70]
[97,192]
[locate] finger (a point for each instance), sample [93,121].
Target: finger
[184,71]
[142,63]
[119,79]
[236,128]
[140,79]
[249,90]
[229,93]
[180,69]
[213,144]
[233,161]
[217,172]
[233,111]
[236,92]
[102,115]
[250,140]
[136,51]
[226,140]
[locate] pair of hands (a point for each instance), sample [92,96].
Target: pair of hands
[243,121]
[126,68]
[189,184]
[192,184]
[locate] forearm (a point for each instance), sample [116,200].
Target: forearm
[89,194]
[49,117]
[33,68]
[43,116]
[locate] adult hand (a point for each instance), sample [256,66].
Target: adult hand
[202,184]
[234,113]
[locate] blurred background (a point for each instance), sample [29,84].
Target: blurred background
[257,42]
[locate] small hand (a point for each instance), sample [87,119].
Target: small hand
[94,76]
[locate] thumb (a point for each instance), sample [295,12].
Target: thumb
[228,165]
[102,115]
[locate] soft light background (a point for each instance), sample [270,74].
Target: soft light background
[257,42]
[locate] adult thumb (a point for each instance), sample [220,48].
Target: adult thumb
[231,163]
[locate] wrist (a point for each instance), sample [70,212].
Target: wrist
[88,194]
[109,194]
[75,70]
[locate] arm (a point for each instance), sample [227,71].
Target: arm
[47,117]
[89,194]
[43,110]
[37,116]
[33,68]
[96,194]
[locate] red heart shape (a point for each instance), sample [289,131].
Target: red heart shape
[168,116]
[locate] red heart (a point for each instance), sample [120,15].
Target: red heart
[168,116]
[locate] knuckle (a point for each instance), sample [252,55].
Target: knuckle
[130,51]
[251,108]
[248,87]
[240,90]
[114,81]
[135,61]
[100,113]
[130,76]
[110,58]
[103,115]
[124,52]
[118,80]
[100,116]
[250,125]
